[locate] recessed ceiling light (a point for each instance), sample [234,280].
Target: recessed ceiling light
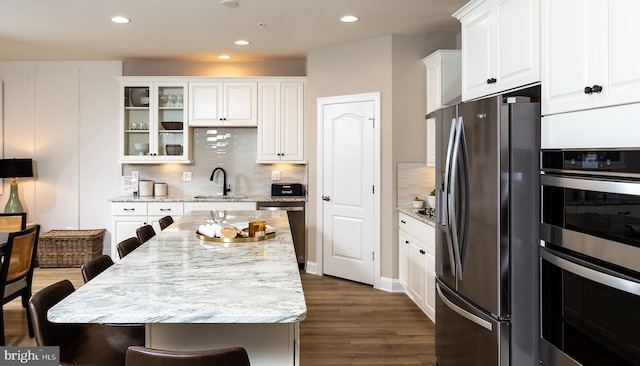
[120,20]
[349,19]
[229,3]
[224,57]
[242,42]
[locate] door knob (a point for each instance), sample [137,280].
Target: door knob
[326,198]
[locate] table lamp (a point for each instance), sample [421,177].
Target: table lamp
[14,168]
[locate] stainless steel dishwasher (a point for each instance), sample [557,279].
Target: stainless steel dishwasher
[296,214]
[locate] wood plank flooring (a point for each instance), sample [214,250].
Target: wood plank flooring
[347,323]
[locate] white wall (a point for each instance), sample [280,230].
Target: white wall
[393,66]
[64,115]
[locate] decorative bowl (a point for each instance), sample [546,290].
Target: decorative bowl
[141,147]
[173,149]
[172,125]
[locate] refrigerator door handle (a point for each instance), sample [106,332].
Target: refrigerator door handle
[447,176]
[460,311]
[452,209]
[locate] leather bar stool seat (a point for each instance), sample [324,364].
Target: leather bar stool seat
[95,266]
[127,246]
[142,356]
[80,344]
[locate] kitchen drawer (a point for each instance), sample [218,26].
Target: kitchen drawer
[165,208]
[417,228]
[128,208]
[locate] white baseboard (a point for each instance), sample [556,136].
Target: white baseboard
[390,285]
[311,268]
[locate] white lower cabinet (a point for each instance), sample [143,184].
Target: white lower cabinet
[417,262]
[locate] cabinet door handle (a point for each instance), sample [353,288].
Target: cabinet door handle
[402,221]
[130,209]
[165,209]
[588,90]
[492,81]
[596,88]
[422,251]
[326,198]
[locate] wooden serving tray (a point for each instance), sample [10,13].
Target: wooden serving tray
[269,234]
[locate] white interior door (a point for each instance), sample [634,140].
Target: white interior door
[348,199]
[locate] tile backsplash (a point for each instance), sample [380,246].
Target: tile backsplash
[414,179]
[235,150]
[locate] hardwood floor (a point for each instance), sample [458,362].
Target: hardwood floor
[347,323]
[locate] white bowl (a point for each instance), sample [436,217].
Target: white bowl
[141,147]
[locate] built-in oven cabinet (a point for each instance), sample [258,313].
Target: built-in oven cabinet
[587,62]
[500,46]
[416,252]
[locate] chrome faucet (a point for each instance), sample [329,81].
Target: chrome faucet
[225,189]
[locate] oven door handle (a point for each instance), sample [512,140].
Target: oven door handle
[591,184]
[591,271]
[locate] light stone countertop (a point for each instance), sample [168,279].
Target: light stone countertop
[412,212]
[177,278]
[211,198]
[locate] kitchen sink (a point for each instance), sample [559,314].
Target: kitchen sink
[219,197]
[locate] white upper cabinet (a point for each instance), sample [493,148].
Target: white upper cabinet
[153,118]
[228,104]
[281,122]
[444,83]
[443,70]
[500,46]
[590,60]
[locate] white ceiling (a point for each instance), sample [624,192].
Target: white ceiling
[200,30]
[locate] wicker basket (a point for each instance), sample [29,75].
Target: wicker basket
[69,248]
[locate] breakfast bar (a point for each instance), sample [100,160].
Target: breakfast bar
[197,294]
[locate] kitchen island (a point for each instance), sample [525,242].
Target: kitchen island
[193,294]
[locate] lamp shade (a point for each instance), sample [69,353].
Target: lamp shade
[14,168]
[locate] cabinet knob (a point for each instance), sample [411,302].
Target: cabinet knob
[406,241]
[596,88]
[588,90]
[402,221]
[492,81]
[326,198]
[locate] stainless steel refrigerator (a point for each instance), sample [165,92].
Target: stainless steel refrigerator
[487,233]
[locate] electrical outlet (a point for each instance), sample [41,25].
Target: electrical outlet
[275,175]
[186,176]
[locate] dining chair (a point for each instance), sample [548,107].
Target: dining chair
[16,271]
[143,356]
[80,344]
[127,246]
[145,232]
[10,222]
[95,266]
[165,221]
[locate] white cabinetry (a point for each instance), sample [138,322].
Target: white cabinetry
[417,262]
[281,122]
[158,210]
[218,103]
[195,206]
[126,217]
[500,46]
[589,58]
[145,105]
[443,70]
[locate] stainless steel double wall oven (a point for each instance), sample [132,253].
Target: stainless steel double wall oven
[590,257]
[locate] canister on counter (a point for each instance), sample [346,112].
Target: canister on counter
[160,189]
[146,188]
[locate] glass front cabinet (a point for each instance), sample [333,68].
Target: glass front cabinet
[153,122]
